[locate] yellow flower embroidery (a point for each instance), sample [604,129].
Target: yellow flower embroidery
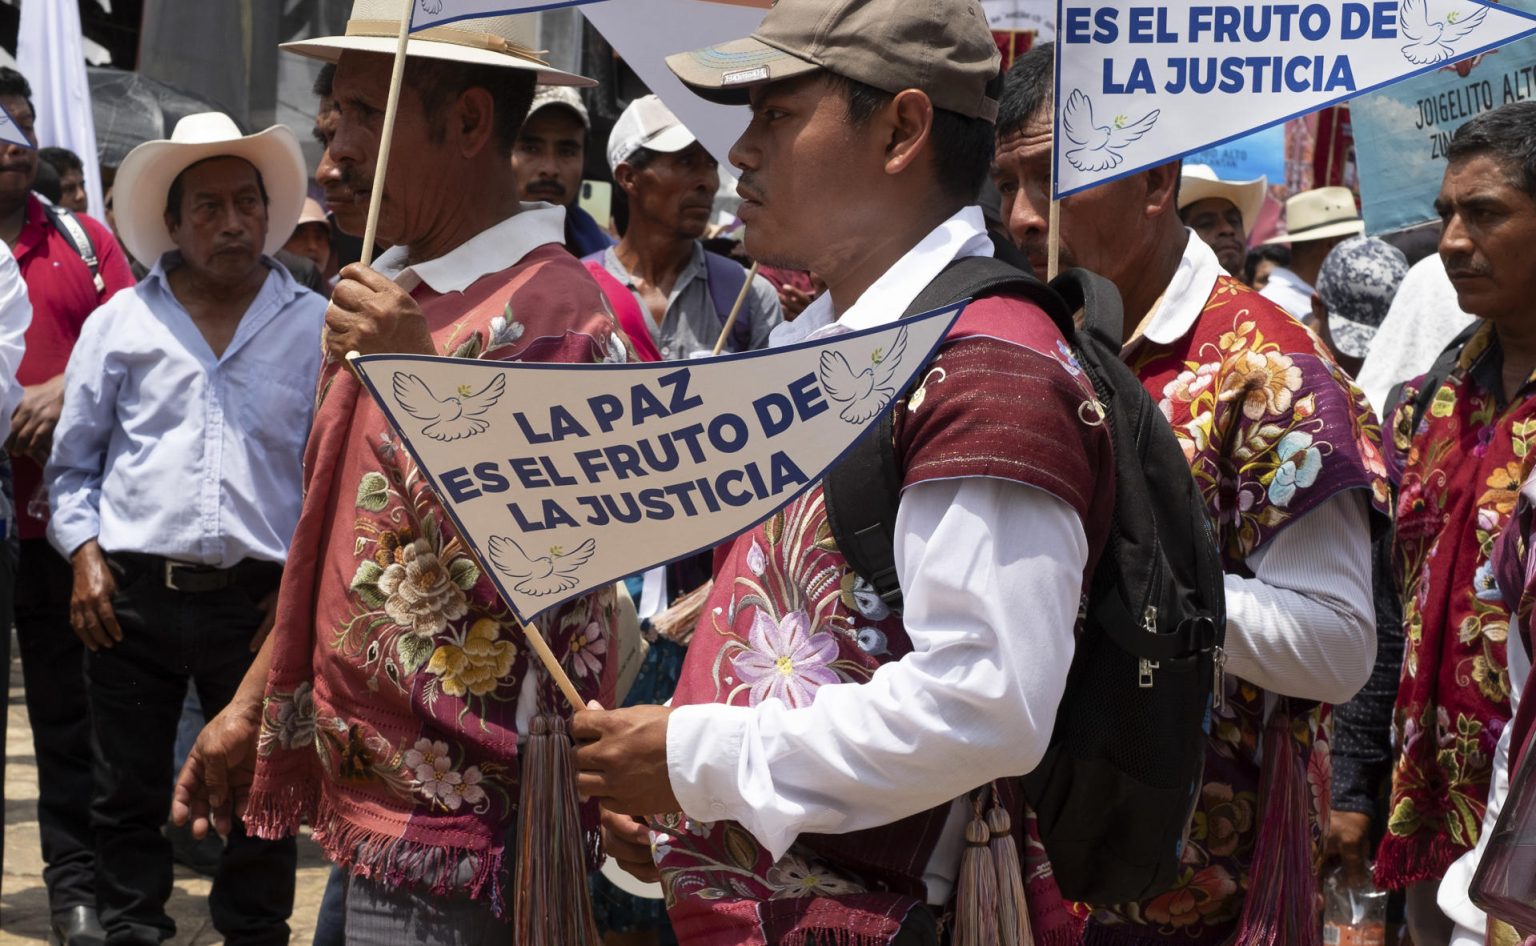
[478,665]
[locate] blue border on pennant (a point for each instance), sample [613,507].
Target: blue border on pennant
[550,5]
[951,313]
[1058,194]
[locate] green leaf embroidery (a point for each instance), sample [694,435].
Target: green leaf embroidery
[366,583]
[373,492]
[414,652]
[464,573]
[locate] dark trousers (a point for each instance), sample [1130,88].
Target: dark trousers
[136,692]
[7,583]
[53,672]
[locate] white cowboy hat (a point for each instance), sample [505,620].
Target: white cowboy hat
[1320,214]
[1200,182]
[374,27]
[145,178]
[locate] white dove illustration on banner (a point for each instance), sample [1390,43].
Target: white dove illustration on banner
[459,415]
[1139,83]
[563,478]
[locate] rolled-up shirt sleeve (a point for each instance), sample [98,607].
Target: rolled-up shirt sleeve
[1304,625]
[76,465]
[991,572]
[15,318]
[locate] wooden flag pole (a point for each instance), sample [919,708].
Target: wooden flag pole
[741,298]
[386,136]
[1053,218]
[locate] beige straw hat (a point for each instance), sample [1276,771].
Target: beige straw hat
[509,41]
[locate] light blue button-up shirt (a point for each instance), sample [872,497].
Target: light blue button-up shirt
[164,449]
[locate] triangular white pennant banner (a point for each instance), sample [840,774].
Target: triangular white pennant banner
[565,478]
[1139,84]
[430,13]
[646,32]
[10,133]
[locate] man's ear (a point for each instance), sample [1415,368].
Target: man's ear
[624,177]
[1163,188]
[473,121]
[906,124]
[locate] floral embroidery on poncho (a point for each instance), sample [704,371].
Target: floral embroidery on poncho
[787,617]
[1461,467]
[1272,429]
[400,678]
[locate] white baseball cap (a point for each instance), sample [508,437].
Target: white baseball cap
[548,96]
[649,124]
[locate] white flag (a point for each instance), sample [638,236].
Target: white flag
[566,478]
[9,133]
[49,52]
[430,13]
[1141,83]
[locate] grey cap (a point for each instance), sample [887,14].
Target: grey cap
[1357,283]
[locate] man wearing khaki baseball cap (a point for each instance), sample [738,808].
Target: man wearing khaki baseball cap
[824,743]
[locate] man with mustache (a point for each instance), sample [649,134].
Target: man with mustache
[1221,213]
[1286,454]
[176,477]
[406,765]
[548,159]
[685,292]
[1461,461]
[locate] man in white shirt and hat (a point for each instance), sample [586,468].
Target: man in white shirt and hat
[175,485]
[1222,213]
[1316,221]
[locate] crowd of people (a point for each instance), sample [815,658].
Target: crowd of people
[240,608]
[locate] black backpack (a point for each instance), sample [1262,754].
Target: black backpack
[1117,786]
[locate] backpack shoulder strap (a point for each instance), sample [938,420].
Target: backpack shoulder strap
[1445,364]
[863,490]
[71,229]
[725,277]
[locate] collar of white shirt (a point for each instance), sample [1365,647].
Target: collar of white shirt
[489,251]
[964,234]
[287,287]
[1187,293]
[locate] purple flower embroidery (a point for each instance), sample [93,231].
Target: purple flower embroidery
[785,660]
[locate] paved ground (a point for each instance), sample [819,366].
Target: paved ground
[23,903]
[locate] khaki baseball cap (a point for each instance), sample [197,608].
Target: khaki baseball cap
[942,47]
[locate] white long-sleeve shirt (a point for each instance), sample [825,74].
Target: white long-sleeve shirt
[991,575]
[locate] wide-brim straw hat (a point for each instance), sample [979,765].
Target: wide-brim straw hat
[145,177]
[509,41]
[1199,182]
[1320,214]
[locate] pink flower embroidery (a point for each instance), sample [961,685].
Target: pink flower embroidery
[785,660]
[587,650]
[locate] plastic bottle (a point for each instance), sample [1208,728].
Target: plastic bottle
[1353,915]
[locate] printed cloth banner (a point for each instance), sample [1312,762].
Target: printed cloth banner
[564,479]
[1401,132]
[646,32]
[430,13]
[1139,84]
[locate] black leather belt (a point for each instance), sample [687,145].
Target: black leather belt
[256,577]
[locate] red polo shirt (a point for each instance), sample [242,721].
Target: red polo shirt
[63,295]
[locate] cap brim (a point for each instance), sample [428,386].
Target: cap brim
[146,174]
[1343,228]
[1352,338]
[1246,196]
[725,73]
[330,48]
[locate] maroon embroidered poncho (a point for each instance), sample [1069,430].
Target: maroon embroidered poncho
[1002,399]
[399,678]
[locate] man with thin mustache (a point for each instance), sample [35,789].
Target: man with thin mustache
[684,292]
[548,159]
[1462,453]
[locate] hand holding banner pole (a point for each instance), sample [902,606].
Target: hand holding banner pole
[741,298]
